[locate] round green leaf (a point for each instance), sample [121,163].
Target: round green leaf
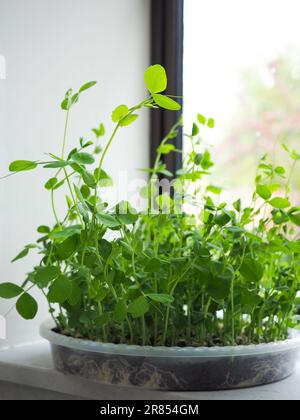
[10,290]
[108,220]
[156,79]
[211,123]
[67,248]
[43,229]
[130,119]
[66,232]
[138,307]
[165,149]
[83,158]
[119,113]
[44,275]
[202,120]
[264,191]
[60,291]
[27,307]
[252,270]
[120,312]
[219,287]
[280,203]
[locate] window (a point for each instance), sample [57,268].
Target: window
[242,67]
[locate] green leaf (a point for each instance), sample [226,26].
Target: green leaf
[105,249]
[211,123]
[66,232]
[280,170]
[57,164]
[250,299]
[44,275]
[88,179]
[27,306]
[156,79]
[201,251]
[222,219]
[165,172]
[126,214]
[130,119]
[22,165]
[238,205]
[280,203]
[154,265]
[85,191]
[43,229]
[87,86]
[83,158]
[161,298]
[139,307]
[128,219]
[78,193]
[264,191]
[67,248]
[120,312]
[214,190]
[206,162]
[84,211]
[252,270]
[166,102]
[108,220]
[67,102]
[165,149]
[201,119]
[22,254]
[100,132]
[60,291]
[58,185]
[219,287]
[75,295]
[119,113]
[294,215]
[74,99]
[51,183]
[195,130]
[10,290]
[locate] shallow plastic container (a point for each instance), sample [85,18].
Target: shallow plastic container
[162,368]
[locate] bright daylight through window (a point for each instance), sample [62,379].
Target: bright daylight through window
[242,67]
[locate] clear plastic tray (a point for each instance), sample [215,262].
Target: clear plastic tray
[191,369]
[47,332]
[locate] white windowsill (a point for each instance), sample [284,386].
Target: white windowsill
[31,365]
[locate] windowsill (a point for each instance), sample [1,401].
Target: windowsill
[31,366]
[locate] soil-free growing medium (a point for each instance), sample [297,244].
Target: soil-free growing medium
[162,368]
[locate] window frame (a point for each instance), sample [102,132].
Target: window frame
[167,40]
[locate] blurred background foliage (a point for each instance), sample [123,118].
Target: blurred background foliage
[268,115]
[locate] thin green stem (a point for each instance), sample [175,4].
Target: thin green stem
[65,135]
[73,196]
[54,209]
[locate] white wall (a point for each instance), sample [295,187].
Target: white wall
[50,46]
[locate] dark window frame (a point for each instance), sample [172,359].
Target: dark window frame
[167,50]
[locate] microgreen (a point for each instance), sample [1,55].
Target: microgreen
[230,277]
